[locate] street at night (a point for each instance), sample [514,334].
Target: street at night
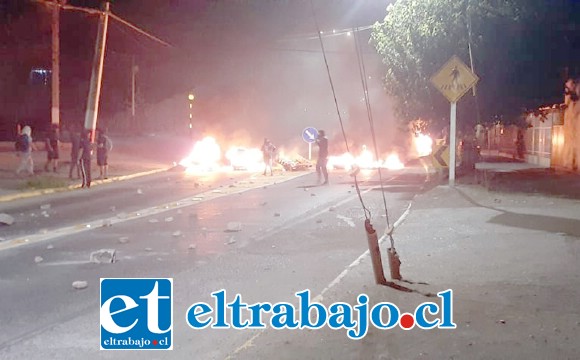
[289,179]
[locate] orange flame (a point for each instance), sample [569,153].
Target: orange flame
[365,160]
[423,144]
[393,162]
[205,156]
[242,158]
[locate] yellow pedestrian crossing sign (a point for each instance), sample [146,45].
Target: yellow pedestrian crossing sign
[454,79]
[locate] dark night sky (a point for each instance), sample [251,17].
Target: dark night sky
[257,70]
[255,65]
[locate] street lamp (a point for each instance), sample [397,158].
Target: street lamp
[191,97]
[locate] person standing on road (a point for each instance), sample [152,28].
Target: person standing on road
[86,155]
[75,141]
[104,145]
[52,144]
[268,151]
[25,151]
[322,160]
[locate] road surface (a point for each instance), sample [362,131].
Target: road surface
[262,237]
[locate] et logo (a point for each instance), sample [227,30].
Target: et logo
[136,314]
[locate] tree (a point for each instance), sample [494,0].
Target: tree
[417,37]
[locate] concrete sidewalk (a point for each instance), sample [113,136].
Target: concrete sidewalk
[512,262]
[130,157]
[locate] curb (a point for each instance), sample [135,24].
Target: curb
[33,193]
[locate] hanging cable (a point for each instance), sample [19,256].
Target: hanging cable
[366,210]
[363,76]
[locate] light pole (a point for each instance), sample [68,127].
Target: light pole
[191,97]
[55,25]
[97,74]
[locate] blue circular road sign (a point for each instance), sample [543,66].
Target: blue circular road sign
[310,135]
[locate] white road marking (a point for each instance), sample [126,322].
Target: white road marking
[333,283]
[124,217]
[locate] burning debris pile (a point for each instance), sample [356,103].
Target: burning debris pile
[298,163]
[207,156]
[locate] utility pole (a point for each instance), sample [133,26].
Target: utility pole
[469,46]
[55,27]
[97,73]
[98,60]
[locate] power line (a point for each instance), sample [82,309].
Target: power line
[363,75]
[101,12]
[366,210]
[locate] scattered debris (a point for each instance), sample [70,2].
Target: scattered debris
[107,223]
[346,220]
[319,221]
[231,241]
[38,259]
[45,207]
[153,221]
[169,219]
[103,256]
[6,219]
[234,226]
[276,214]
[50,247]
[79,285]
[332,208]
[45,214]
[312,194]
[148,249]
[123,239]
[177,234]
[192,247]
[501,321]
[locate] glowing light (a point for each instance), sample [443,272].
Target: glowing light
[205,156]
[393,162]
[191,97]
[365,159]
[344,161]
[423,144]
[348,33]
[241,158]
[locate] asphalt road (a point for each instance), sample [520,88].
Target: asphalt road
[293,236]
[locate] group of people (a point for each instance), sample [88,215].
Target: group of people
[269,155]
[81,152]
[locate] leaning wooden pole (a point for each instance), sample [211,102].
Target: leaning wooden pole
[375,251]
